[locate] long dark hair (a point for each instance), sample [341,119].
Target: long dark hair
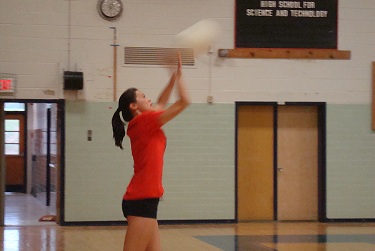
[118,126]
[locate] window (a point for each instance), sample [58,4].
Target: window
[12,137]
[8,107]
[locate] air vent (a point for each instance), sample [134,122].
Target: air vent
[157,56]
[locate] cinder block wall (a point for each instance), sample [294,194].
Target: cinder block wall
[41,39]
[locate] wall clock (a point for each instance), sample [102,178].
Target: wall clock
[110,9]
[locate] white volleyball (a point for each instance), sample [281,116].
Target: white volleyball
[200,36]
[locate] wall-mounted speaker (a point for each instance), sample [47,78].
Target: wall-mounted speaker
[73,80]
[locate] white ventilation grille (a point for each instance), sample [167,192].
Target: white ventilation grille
[157,56]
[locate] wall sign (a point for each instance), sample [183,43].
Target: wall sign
[286,24]
[7,83]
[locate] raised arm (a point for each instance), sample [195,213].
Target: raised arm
[166,93]
[183,97]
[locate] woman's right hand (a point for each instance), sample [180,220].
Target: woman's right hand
[179,65]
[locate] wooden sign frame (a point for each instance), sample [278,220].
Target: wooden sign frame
[286,24]
[327,54]
[263,36]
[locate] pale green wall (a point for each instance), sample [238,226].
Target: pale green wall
[350,162]
[199,164]
[95,171]
[198,173]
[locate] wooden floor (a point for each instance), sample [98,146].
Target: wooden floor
[256,236]
[25,210]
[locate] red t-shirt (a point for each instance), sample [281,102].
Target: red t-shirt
[148,146]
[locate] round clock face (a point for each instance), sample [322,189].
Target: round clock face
[110,9]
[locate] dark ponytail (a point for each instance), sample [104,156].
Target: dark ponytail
[118,126]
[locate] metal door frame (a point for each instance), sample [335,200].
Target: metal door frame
[60,182]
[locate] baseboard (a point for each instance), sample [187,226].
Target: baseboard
[161,222]
[351,220]
[93,223]
[187,222]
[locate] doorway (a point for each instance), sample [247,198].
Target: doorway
[38,147]
[280,161]
[14,146]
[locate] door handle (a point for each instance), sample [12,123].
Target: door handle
[280,169]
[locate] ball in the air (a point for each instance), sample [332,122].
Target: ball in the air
[200,36]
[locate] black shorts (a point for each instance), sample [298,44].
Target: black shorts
[147,208]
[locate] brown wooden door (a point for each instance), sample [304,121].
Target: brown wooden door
[294,191]
[255,133]
[297,156]
[15,152]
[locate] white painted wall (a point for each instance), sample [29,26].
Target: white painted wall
[35,43]
[42,38]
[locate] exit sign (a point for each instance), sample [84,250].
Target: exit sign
[7,83]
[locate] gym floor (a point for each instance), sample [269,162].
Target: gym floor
[23,232]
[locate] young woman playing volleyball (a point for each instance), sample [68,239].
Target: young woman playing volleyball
[148,142]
